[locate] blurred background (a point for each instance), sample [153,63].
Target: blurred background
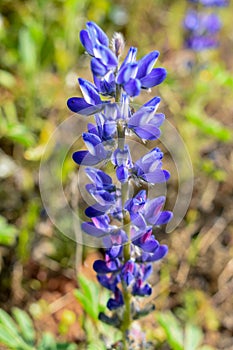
[40,60]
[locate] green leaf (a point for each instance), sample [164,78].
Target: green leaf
[8,339]
[12,339]
[208,125]
[172,329]
[27,49]
[89,288]
[7,232]
[193,337]
[91,291]
[86,304]
[8,322]
[47,342]
[6,79]
[20,133]
[25,324]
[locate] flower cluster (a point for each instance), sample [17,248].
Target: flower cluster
[125,225]
[201,27]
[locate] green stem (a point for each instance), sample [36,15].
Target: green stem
[126,222]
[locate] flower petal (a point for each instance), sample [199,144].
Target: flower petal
[146,64]
[89,92]
[92,230]
[101,267]
[96,210]
[85,158]
[122,173]
[164,218]
[86,41]
[97,33]
[157,255]
[156,77]
[106,56]
[77,104]
[133,87]
[147,132]
[98,68]
[126,73]
[156,176]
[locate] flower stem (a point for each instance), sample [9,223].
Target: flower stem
[126,250]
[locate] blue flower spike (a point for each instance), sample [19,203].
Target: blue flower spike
[121,217]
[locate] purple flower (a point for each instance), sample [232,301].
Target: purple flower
[146,122]
[114,218]
[92,36]
[134,76]
[212,3]
[201,30]
[90,102]
[121,158]
[117,301]
[149,167]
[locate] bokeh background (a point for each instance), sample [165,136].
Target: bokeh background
[40,60]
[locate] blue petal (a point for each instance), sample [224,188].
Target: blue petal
[106,56]
[122,173]
[101,222]
[98,68]
[145,290]
[147,132]
[126,73]
[96,210]
[106,86]
[147,271]
[113,304]
[92,129]
[108,282]
[138,220]
[153,102]
[130,57]
[164,218]
[89,92]
[115,251]
[96,32]
[109,128]
[85,158]
[156,77]
[152,209]
[95,146]
[156,176]
[103,197]
[91,229]
[146,64]
[91,141]
[148,246]
[86,41]
[133,87]
[157,255]
[77,104]
[98,177]
[101,267]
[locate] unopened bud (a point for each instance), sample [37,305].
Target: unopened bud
[118,44]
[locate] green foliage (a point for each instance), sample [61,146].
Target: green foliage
[208,126]
[8,233]
[19,334]
[189,338]
[91,297]
[12,129]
